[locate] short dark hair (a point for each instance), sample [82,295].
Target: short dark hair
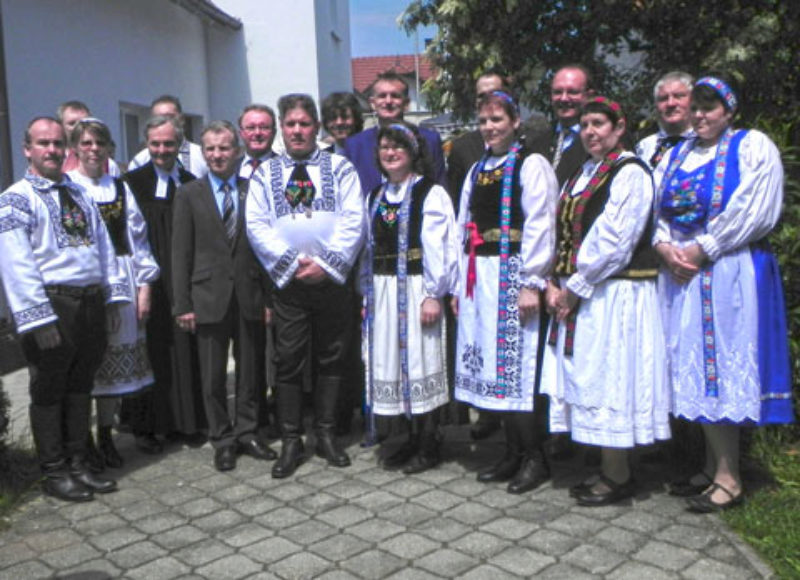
[257,107]
[503,99]
[298,100]
[337,103]
[390,76]
[581,67]
[27,135]
[172,99]
[420,162]
[93,126]
[76,105]
[221,127]
[604,106]
[504,77]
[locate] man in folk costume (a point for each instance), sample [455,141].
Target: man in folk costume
[219,296]
[58,267]
[305,222]
[672,95]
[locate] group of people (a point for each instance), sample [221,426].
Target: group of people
[596,290]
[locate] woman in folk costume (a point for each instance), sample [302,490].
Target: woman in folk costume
[506,218]
[410,264]
[719,197]
[125,368]
[604,369]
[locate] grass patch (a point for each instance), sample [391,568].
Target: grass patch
[768,521]
[19,470]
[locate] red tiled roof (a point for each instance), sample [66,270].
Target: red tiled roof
[367,68]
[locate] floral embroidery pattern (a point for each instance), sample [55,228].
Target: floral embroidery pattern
[473,358]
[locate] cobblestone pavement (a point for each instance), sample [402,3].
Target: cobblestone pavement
[176,517]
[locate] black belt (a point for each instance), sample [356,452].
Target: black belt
[73,291]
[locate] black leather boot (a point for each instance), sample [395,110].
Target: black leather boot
[81,473]
[289,399]
[508,466]
[534,470]
[326,394]
[427,457]
[59,483]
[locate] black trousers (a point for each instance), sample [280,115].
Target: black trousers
[249,346]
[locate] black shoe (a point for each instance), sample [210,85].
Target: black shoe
[327,449]
[258,450]
[422,461]
[616,492]
[225,458]
[291,456]
[702,503]
[81,473]
[533,473]
[583,486]
[62,485]
[484,428]
[402,455]
[107,449]
[503,470]
[147,443]
[685,487]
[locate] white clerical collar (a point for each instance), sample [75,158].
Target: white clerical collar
[162,180]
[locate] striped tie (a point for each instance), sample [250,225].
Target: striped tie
[228,212]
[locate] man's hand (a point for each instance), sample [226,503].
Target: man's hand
[47,336]
[143,302]
[566,304]
[528,303]
[431,311]
[186,322]
[113,319]
[309,272]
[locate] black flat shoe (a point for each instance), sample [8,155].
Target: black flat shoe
[583,486]
[225,458]
[685,487]
[83,475]
[256,449]
[422,461]
[401,455]
[533,473]
[702,503]
[290,458]
[503,470]
[330,452]
[616,492]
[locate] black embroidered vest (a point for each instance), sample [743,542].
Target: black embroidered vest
[576,214]
[384,235]
[115,216]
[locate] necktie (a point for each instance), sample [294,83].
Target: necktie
[562,135]
[255,163]
[663,145]
[300,188]
[228,212]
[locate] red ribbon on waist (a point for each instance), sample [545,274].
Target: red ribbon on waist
[474,241]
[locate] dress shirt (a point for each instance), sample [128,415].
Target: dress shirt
[219,195]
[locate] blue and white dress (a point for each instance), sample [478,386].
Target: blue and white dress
[727,349]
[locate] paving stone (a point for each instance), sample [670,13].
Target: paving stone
[77,512]
[438,500]
[301,565]
[510,528]
[521,561]
[487,572]
[30,569]
[100,569]
[377,477]
[378,501]
[372,564]
[315,503]
[160,523]
[264,482]
[263,575]
[563,571]
[270,550]
[256,506]
[136,554]
[375,530]
[245,534]
[179,537]
[709,569]
[550,542]
[413,574]
[339,547]
[576,525]
[472,513]
[69,556]
[199,507]
[116,539]
[309,532]
[725,552]
[98,524]
[349,489]
[336,575]
[161,568]
[691,537]
[407,487]
[666,556]
[619,539]
[179,495]
[344,516]
[281,518]
[641,521]
[324,479]
[202,552]
[408,515]
[447,562]
[13,553]
[442,529]
[407,545]
[235,493]
[214,483]
[479,544]
[141,509]
[230,568]
[638,570]
[218,521]
[52,540]
[466,487]
[500,498]
[593,559]
[288,493]
[123,497]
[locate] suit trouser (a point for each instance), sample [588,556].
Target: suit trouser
[61,378]
[320,313]
[249,344]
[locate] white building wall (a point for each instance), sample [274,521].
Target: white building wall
[102,52]
[333,46]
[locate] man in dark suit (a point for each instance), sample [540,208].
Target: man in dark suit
[570,88]
[219,294]
[173,405]
[257,127]
[389,99]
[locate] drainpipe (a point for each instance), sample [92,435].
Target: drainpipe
[6,168]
